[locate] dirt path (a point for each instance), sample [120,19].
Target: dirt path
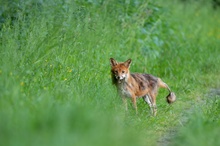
[167,139]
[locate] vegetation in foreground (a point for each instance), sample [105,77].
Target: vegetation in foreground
[55,75]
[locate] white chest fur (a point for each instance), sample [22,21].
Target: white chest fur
[123,89]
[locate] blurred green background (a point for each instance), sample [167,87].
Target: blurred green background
[55,83]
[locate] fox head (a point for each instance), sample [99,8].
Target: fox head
[119,71]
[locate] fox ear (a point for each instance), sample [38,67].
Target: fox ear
[127,63]
[113,62]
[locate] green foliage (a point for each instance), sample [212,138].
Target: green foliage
[54,68]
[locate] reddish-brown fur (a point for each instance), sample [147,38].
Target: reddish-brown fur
[136,85]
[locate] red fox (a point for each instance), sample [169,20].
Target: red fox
[134,85]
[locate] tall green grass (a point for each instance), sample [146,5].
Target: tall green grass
[55,75]
[197,26]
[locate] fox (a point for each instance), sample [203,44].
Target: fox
[137,85]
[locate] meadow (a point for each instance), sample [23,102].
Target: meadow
[55,83]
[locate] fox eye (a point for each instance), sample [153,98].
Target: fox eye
[116,71]
[123,71]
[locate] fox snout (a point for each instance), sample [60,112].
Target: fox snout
[121,77]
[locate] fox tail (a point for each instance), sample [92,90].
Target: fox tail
[171,97]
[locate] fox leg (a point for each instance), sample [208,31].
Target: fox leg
[133,98]
[153,101]
[147,99]
[125,103]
